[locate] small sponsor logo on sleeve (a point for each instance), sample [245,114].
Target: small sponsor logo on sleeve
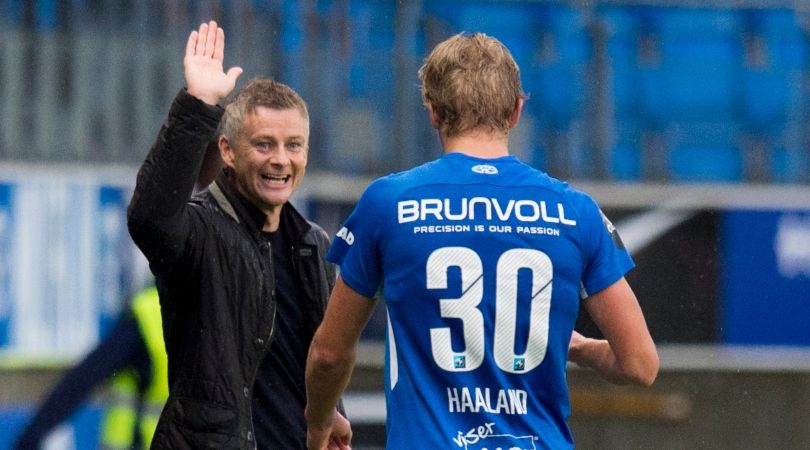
[614,234]
[346,235]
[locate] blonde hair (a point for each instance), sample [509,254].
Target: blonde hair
[259,92]
[471,82]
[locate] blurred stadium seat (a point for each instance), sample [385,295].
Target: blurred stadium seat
[605,79]
[774,94]
[689,77]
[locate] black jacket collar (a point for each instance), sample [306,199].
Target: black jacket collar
[291,222]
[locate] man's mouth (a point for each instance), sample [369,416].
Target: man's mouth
[276,179]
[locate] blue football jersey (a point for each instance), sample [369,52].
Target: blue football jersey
[482,263]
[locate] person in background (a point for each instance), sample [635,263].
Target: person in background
[242,276]
[132,359]
[484,263]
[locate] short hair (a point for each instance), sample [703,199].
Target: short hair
[259,92]
[471,81]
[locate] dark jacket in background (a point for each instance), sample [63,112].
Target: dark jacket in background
[216,281]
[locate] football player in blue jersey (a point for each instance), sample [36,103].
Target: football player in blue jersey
[484,263]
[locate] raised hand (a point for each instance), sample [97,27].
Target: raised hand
[203,65]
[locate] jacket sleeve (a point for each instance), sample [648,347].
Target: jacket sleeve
[159,217]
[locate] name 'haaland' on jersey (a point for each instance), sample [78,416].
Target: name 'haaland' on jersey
[477,400]
[482,208]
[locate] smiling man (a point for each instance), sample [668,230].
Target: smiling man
[241,274]
[264,145]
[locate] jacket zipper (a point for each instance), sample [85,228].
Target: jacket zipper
[269,341]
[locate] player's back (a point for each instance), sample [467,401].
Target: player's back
[481,262]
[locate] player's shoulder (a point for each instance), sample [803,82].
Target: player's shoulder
[397,182]
[567,193]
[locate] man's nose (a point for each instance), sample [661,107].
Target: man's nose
[279,157]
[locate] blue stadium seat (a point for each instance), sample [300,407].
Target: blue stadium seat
[790,165]
[785,40]
[699,36]
[767,98]
[556,77]
[293,45]
[705,151]
[773,85]
[626,162]
[626,154]
[622,27]
[371,52]
[696,75]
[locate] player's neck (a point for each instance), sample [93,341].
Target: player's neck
[479,144]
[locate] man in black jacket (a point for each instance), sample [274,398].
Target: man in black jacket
[242,279]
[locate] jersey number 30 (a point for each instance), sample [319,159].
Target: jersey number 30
[466,309]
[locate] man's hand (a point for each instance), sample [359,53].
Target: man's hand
[578,352]
[205,77]
[336,435]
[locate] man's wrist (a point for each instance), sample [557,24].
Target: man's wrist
[316,421]
[207,98]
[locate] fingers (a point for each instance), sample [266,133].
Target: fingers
[339,444]
[211,38]
[201,37]
[219,44]
[209,41]
[335,444]
[191,45]
[233,73]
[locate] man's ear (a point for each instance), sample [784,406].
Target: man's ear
[226,151]
[434,121]
[513,121]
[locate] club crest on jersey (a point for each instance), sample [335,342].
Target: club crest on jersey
[485,169]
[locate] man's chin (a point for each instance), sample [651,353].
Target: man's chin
[275,201]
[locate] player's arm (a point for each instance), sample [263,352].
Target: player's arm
[329,366]
[628,354]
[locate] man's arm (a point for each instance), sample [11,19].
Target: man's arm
[628,354]
[329,366]
[156,216]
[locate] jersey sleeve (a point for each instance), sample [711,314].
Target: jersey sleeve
[355,248]
[607,260]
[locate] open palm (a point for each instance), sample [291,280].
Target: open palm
[205,76]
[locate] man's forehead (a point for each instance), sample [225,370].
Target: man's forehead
[258,109]
[290,118]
